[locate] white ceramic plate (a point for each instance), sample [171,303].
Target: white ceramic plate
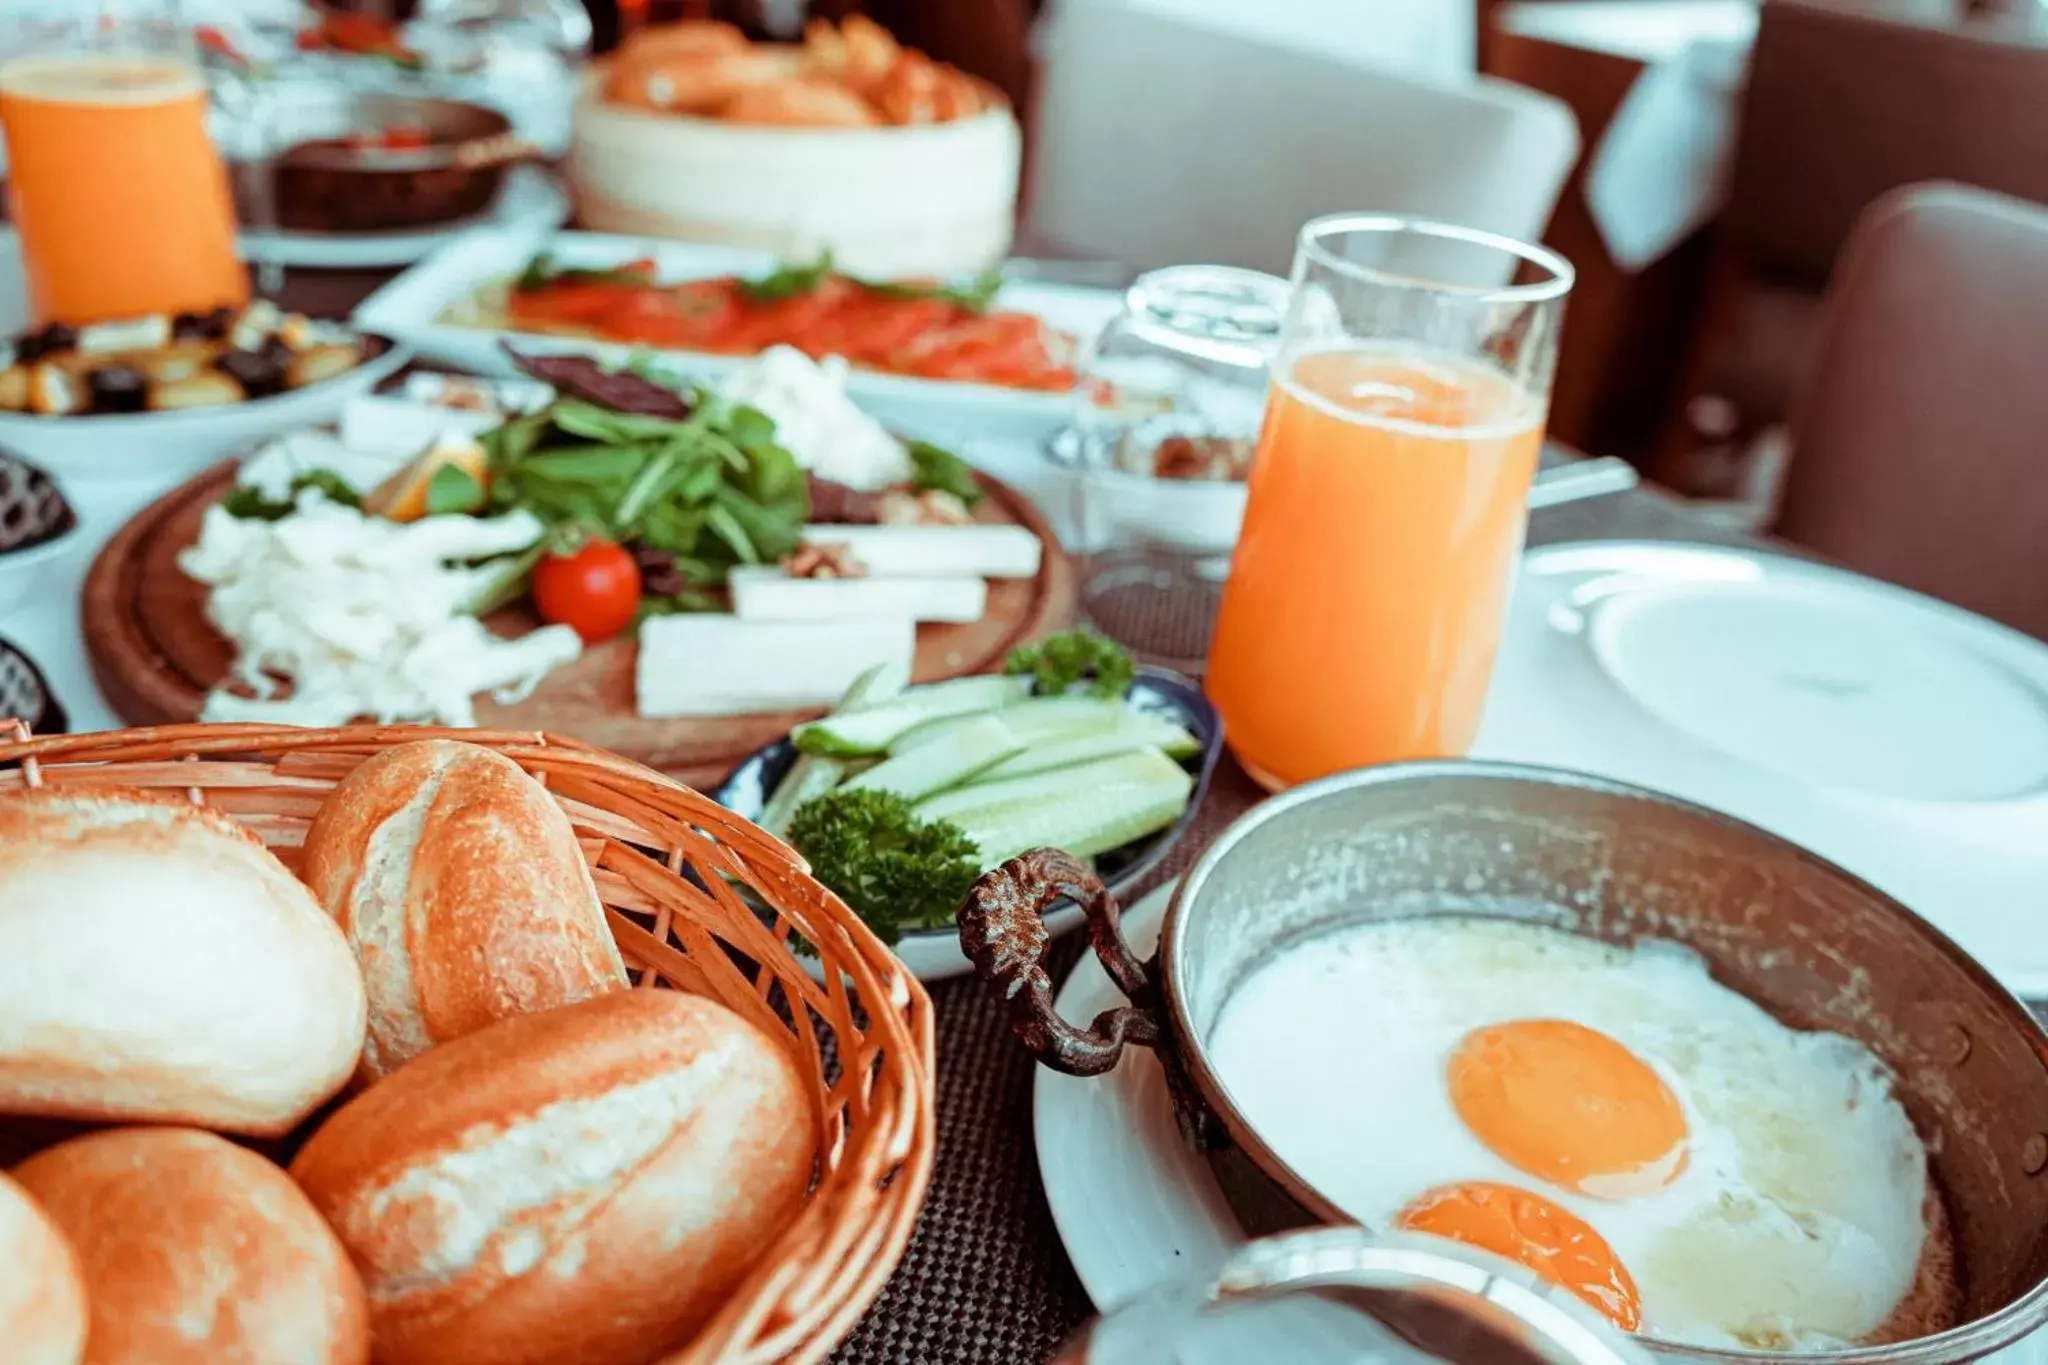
[530,201]
[412,305]
[164,448]
[1133,1205]
[1905,739]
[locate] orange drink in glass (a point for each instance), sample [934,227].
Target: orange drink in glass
[1388,498]
[121,198]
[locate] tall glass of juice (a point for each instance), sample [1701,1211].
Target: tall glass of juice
[1388,496]
[121,198]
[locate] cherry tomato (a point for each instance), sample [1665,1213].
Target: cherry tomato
[595,591]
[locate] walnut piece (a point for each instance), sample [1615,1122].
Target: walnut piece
[931,507]
[830,559]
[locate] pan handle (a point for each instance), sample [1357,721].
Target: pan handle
[1002,932]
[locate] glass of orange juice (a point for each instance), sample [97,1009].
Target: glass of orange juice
[120,196]
[1388,495]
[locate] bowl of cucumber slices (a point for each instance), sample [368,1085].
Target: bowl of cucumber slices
[903,795]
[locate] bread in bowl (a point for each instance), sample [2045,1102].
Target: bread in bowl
[198,1252]
[42,1294]
[582,1185]
[159,963]
[461,888]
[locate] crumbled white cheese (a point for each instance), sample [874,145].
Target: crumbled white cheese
[815,420]
[278,461]
[367,618]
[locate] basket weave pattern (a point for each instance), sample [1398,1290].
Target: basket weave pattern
[667,862]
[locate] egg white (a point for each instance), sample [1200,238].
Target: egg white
[1798,1222]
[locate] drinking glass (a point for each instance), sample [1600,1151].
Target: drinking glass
[119,193]
[1172,392]
[1387,501]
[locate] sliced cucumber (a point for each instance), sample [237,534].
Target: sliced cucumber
[813,775]
[870,729]
[980,743]
[1044,721]
[1086,809]
[1067,753]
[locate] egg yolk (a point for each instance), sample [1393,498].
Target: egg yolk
[1531,1231]
[1568,1105]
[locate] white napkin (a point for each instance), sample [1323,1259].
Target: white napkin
[1661,169]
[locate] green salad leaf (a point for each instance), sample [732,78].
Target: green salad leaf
[251,504]
[711,490]
[941,469]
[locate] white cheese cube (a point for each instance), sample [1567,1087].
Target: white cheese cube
[715,665]
[769,594]
[936,551]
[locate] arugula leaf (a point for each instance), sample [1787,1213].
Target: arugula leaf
[788,281]
[453,489]
[249,503]
[975,295]
[677,603]
[941,469]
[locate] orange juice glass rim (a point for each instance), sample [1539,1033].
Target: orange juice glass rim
[1543,258]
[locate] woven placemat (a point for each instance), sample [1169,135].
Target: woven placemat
[985,1278]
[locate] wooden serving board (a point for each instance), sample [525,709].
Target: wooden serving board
[155,655]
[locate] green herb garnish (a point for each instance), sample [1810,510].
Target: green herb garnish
[788,281]
[250,503]
[975,295]
[943,470]
[542,271]
[893,868]
[1056,663]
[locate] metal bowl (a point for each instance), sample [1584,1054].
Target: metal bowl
[1810,943]
[317,184]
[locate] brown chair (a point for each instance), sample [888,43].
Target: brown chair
[1920,434]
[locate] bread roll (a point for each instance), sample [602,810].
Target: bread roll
[158,963]
[42,1298]
[583,1185]
[198,1252]
[458,881]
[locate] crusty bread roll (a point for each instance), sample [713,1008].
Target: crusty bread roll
[156,962]
[198,1252]
[42,1297]
[582,1185]
[458,880]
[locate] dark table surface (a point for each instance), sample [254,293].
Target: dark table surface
[984,1278]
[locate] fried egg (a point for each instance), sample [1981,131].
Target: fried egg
[1612,1118]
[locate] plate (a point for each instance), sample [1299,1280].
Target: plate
[1901,737]
[159,447]
[934,954]
[530,201]
[155,655]
[1133,1205]
[411,307]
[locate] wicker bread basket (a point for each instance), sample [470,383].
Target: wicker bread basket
[869,1063]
